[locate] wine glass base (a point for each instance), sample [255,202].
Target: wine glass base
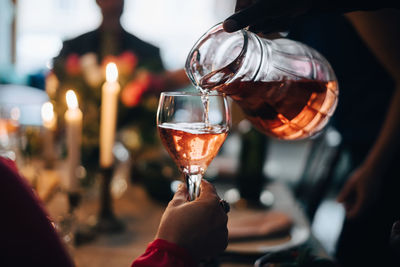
[107,221]
[84,234]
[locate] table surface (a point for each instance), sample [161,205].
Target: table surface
[141,215]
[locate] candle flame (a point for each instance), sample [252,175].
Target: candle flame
[47,112]
[72,101]
[111,72]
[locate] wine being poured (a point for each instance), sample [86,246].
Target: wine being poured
[285,109]
[285,88]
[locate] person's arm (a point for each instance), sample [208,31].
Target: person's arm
[269,16]
[381,32]
[27,236]
[188,231]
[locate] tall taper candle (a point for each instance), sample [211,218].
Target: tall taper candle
[108,120]
[73,121]
[49,126]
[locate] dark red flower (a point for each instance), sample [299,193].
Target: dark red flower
[72,65]
[134,90]
[127,63]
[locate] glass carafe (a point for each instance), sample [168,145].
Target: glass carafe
[285,88]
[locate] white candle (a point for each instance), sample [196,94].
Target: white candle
[49,122]
[108,120]
[73,121]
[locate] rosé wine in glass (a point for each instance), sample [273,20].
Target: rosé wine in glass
[192,132]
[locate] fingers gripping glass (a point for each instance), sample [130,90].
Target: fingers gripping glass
[193,128]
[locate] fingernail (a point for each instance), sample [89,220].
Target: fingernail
[230,25]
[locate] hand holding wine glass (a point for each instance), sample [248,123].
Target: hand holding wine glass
[193,128]
[199,226]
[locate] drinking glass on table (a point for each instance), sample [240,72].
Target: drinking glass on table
[9,127]
[193,128]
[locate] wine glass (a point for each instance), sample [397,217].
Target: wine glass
[193,128]
[9,132]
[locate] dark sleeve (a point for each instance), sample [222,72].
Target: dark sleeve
[59,60]
[161,253]
[148,54]
[328,7]
[66,49]
[85,43]
[159,66]
[150,59]
[27,237]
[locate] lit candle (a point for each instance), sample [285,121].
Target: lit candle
[108,120]
[49,122]
[73,121]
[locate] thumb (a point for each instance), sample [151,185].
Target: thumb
[181,195]
[242,18]
[207,190]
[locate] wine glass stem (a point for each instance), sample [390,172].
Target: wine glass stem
[193,182]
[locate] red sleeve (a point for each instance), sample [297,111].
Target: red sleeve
[161,253]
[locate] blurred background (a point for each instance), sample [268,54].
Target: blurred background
[32,34]
[32,31]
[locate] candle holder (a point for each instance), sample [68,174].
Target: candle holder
[250,179]
[68,227]
[74,199]
[79,233]
[67,223]
[107,221]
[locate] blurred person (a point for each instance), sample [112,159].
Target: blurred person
[362,48]
[188,231]
[81,65]
[111,42]
[110,38]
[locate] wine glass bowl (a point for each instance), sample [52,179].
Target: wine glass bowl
[193,127]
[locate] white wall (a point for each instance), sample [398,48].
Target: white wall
[6,10]
[43,24]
